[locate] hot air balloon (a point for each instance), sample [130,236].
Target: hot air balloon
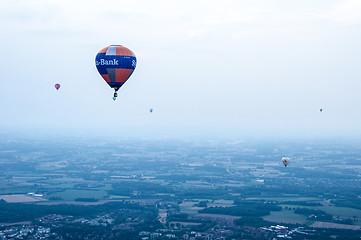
[57,86]
[151,110]
[321,109]
[285,161]
[115,64]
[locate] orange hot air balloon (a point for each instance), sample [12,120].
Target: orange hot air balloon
[115,64]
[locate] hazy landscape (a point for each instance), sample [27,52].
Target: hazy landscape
[162,119]
[99,188]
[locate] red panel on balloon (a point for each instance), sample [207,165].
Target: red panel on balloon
[122,74]
[106,77]
[104,50]
[123,51]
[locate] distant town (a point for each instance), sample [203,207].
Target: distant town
[96,188]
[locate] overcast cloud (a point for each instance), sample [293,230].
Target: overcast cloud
[231,65]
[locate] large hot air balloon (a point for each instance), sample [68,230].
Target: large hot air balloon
[115,64]
[285,161]
[57,86]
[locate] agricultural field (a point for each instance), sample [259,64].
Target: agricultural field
[335,211]
[72,194]
[285,198]
[184,185]
[334,225]
[21,198]
[285,216]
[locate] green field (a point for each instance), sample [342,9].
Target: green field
[224,201]
[286,198]
[285,216]
[188,208]
[60,186]
[118,197]
[72,194]
[335,211]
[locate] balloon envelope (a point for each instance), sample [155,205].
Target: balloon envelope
[115,64]
[57,86]
[285,161]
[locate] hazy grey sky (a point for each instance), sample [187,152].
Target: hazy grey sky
[239,65]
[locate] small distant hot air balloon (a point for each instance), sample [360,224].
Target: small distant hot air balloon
[114,98]
[285,161]
[151,110]
[321,109]
[57,86]
[115,64]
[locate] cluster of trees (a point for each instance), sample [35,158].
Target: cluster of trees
[181,217]
[217,193]
[243,208]
[258,204]
[202,204]
[354,202]
[16,212]
[314,214]
[302,203]
[86,200]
